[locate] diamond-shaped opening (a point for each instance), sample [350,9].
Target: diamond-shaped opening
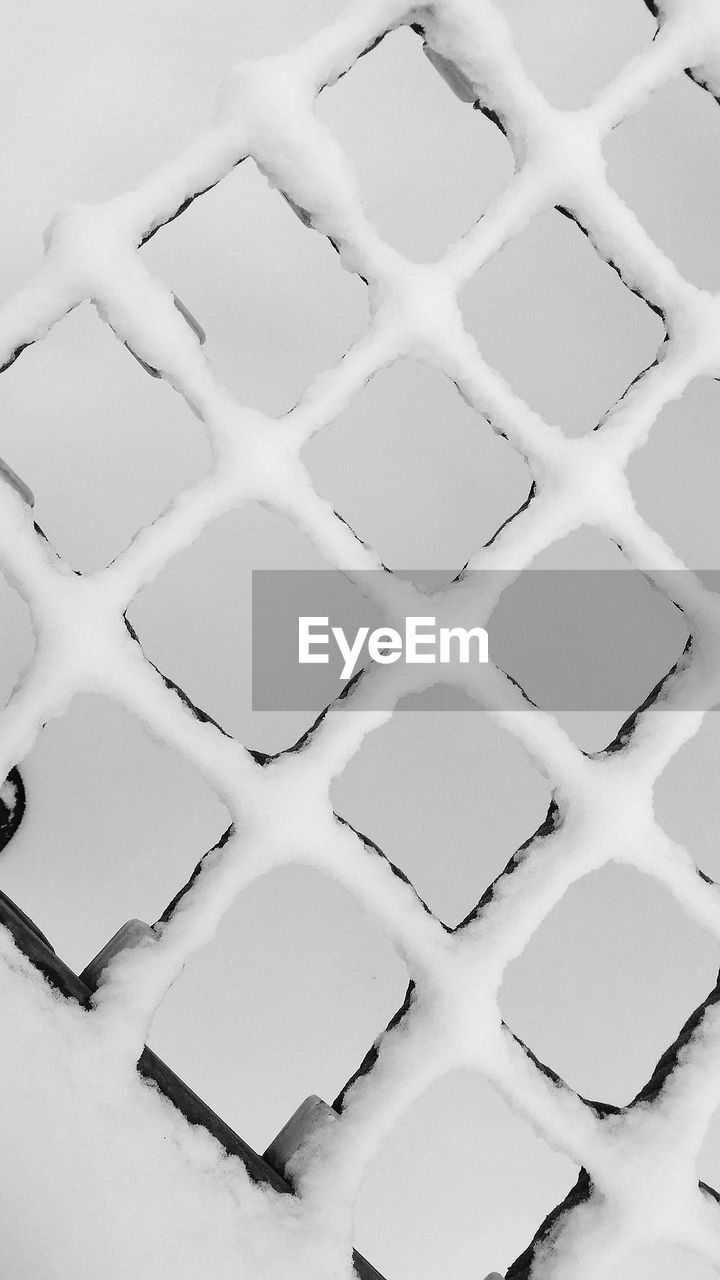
[448,797]
[194,621]
[662,1261]
[114,825]
[586,636]
[556,321]
[103,447]
[415,471]
[459,1188]
[571,48]
[674,476]
[427,164]
[687,800]
[18,642]
[274,301]
[283,1003]
[607,981]
[663,162]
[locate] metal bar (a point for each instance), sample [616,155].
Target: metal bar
[312,1112]
[129,935]
[462,87]
[19,485]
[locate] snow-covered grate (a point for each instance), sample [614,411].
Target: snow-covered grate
[638,1179]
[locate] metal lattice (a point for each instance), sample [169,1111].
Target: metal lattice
[637,1162]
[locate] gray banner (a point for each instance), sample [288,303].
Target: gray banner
[574,640]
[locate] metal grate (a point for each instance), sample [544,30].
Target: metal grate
[637,1163]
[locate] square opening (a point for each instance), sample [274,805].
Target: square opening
[687,799]
[448,797]
[415,471]
[194,621]
[460,1186]
[274,301]
[319,982]
[556,321]
[572,48]
[114,824]
[674,476]
[663,162]
[586,636]
[103,447]
[427,164]
[607,981]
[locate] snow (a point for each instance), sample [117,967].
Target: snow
[104,1148]
[125,1185]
